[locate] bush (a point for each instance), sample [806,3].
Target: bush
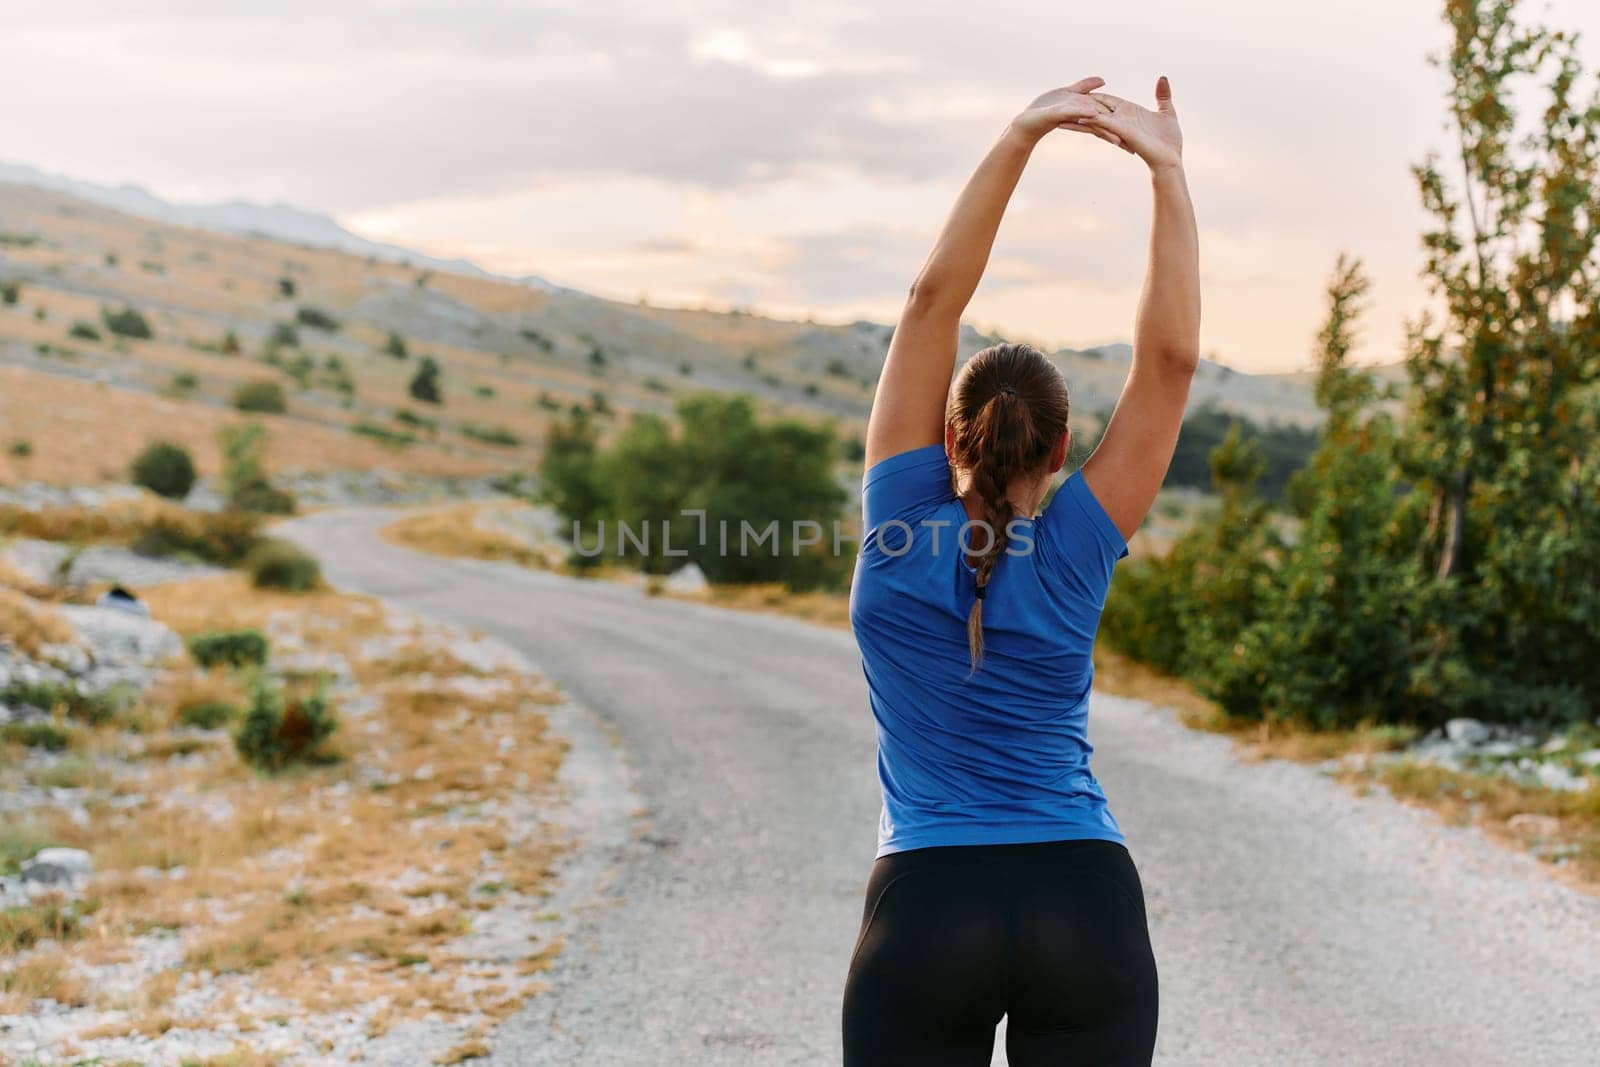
[262,396]
[411,418]
[37,733]
[127,322]
[490,435]
[277,732]
[383,434]
[74,703]
[244,472]
[425,383]
[275,564]
[316,318]
[208,715]
[229,648]
[21,449]
[283,335]
[218,537]
[9,292]
[165,468]
[286,288]
[716,457]
[396,346]
[84,331]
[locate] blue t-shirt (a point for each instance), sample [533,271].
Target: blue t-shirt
[1000,756]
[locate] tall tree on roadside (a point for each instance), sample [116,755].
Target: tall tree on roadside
[1331,646]
[1500,440]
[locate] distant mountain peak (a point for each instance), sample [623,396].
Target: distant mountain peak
[281,221]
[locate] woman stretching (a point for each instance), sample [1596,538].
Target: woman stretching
[1002,886]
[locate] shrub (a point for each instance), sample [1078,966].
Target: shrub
[490,435]
[279,731]
[75,703]
[208,714]
[184,381]
[9,292]
[384,435]
[244,472]
[21,449]
[165,468]
[230,648]
[286,288]
[126,321]
[217,537]
[425,383]
[37,733]
[411,418]
[284,335]
[316,318]
[275,564]
[84,331]
[263,396]
[396,346]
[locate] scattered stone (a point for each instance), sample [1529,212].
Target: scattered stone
[53,563]
[58,866]
[121,599]
[1590,758]
[1538,825]
[115,636]
[1468,731]
[687,580]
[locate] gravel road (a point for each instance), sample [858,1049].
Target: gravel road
[1294,921]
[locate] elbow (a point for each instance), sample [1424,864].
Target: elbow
[1179,359]
[928,296]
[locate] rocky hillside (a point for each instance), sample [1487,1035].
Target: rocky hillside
[344,335]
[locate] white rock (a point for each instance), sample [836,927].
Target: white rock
[1468,731]
[1590,758]
[687,580]
[119,637]
[1539,825]
[58,866]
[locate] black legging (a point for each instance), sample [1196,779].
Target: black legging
[1052,936]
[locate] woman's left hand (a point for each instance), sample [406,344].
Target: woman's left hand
[1154,136]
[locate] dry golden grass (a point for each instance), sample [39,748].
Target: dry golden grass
[455,531]
[44,974]
[85,433]
[826,609]
[1544,820]
[29,624]
[467,1050]
[327,885]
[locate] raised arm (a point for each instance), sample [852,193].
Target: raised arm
[908,409]
[1130,463]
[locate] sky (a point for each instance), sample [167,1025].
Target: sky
[796,159]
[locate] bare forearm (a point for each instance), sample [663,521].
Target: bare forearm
[1168,326]
[955,266]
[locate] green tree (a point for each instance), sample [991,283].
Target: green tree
[425,383]
[1332,643]
[165,468]
[714,457]
[1500,438]
[244,471]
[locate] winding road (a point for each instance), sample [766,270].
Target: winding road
[1294,921]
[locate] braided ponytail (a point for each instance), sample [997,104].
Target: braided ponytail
[1007,410]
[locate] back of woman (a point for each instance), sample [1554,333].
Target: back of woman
[1002,886]
[1003,748]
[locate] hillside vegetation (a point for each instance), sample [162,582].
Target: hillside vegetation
[116,329]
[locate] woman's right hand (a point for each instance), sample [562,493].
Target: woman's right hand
[1067,108]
